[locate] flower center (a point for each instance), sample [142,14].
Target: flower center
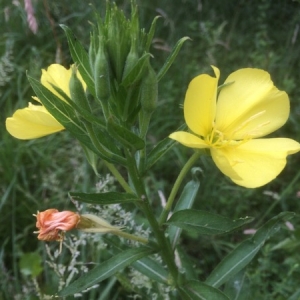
[216,139]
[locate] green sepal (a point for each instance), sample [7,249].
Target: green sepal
[105,270]
[194,290]
[185,201]
[81,58]
[124,136]
[171,58]
[242,255]
[203,222]
[104,198]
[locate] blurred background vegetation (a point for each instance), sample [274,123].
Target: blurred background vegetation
[36,175]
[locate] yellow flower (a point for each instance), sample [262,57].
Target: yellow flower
[35,121]
[249,106]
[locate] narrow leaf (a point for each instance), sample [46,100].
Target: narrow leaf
[204,222]
[245,252]
[151,269]
[171,58]
[81,57]
[125,136]
[103,198]
[237,287]
[185,201]
[105,270]
[198,290]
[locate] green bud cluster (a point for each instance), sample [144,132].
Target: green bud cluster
[119,59]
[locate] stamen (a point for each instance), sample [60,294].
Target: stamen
[245,123]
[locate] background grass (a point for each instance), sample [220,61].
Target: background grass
[35,175]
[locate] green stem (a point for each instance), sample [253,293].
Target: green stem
[164,243]
[131,237]
[181,176]
[118,176]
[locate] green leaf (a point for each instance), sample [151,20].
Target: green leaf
[104,198]
[81,57]
[171,58]
[105,270]
[185,201]
[204,222]
[150,34]
[125,136]
[62,112]
[160,149]
[197,290]
[237,287]
[236,260]
[151,269]
[30,264]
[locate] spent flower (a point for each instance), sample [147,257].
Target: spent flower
[230,124]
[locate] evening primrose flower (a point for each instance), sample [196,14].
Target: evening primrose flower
[230,124]
[35,121]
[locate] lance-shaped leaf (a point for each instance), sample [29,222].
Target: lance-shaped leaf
[204,222]
[81,57]
[150,34]
[151,269]
[236,260]
[185,201]
[124,136]
[104,198]
[171,58]
[238,287]
[105,270]
[195,290]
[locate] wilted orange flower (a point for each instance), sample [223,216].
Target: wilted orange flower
[51,222]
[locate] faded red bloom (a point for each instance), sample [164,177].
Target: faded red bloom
[51,222]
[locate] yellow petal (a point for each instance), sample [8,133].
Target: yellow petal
[189,140]
[200,103]
[59,76]
[32,122]
[251,106]
[256,162]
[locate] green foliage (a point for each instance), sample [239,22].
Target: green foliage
[36,175]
